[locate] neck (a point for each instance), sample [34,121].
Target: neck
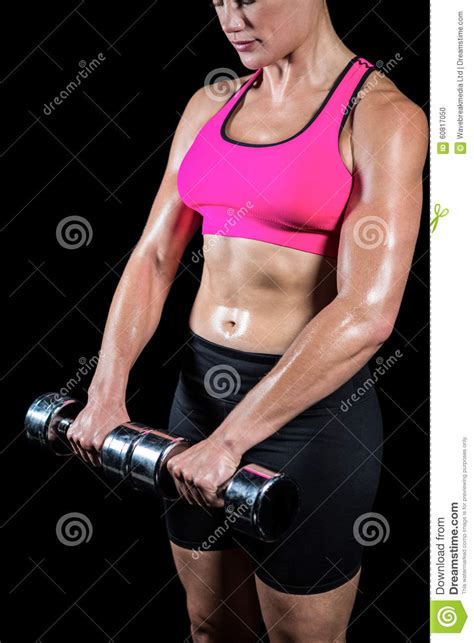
[315,61]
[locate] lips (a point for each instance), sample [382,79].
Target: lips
[243,45]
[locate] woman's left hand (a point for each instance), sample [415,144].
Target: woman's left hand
[199,471]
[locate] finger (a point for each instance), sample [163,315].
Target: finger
[194,492]
[88,455]
[82,452]
[214,495]
[188,485]
[198,489]
[177,477]
[183,492]
[185,487]
[218,501]
[188,492]
[95,458]
[211,499]
[70,443]
[177,484]
[220,495]
[95,454]
[202,497]
[74,447]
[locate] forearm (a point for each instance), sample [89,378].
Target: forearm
[333,346]
[133,317]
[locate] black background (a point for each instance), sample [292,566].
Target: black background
[101,155]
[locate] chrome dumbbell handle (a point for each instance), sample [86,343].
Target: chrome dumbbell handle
[63,426]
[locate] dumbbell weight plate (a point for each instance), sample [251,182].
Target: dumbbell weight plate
[276,508]
[149,457]
[117,449]
[263,503]
[138,453]
[45,421]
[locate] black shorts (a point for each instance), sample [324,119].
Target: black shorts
[333,450]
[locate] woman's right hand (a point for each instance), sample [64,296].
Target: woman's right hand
[90,428]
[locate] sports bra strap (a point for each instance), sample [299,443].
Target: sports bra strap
[238,93]
[338,103]
[345,93]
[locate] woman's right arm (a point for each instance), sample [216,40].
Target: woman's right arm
[138,301]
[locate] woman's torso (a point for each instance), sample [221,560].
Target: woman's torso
[257,296]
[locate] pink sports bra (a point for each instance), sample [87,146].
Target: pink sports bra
[291,193]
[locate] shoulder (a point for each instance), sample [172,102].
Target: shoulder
[209,98]
[201,106]
[386,117]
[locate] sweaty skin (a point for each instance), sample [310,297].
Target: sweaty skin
[326,317]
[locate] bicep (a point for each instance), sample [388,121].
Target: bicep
[171,223]
[382,218]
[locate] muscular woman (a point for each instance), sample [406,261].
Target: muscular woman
[305,176]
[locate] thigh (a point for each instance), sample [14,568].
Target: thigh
[319,618]
[221,596]
[217,575]
[336,460]
[192,526]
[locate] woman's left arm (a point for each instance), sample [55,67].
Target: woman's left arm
[376,249]
[377,242]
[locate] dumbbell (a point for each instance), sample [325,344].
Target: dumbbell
[257,501]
